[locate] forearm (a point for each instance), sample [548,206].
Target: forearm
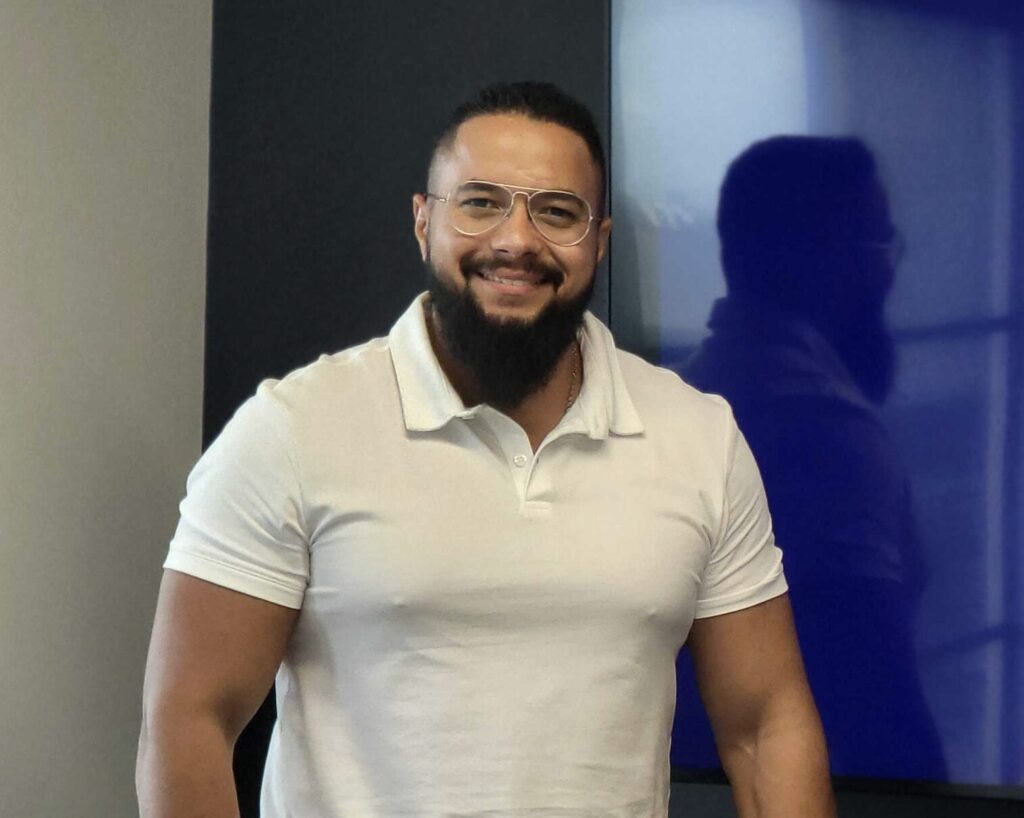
[782,773]
[184,769]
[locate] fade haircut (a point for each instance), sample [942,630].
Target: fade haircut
[541,101]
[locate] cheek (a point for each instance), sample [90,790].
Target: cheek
[434,243]
[580,263]
[446,254]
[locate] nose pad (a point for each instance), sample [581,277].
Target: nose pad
[512,204]
[526,209]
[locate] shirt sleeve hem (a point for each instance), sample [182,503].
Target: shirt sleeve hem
[227,577]
[773,586]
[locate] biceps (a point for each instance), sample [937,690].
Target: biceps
[747,664]
[213,650]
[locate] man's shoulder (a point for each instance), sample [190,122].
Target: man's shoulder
[353,376]
[660,391]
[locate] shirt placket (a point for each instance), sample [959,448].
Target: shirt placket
[531,480]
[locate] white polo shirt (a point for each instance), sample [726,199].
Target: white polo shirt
[484,630]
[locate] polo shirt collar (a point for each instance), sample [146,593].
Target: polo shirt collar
[429,401]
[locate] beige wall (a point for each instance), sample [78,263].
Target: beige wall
[103,182]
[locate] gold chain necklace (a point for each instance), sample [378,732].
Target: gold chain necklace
[575,374]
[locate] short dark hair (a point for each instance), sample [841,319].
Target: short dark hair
[784,196]
[542,101]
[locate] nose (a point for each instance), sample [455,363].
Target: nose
[516,235]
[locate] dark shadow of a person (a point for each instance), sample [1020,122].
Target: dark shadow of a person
[800,349]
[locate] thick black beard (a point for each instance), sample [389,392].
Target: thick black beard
[509,359]
[867,348]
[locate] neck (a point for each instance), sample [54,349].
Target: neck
[541,412]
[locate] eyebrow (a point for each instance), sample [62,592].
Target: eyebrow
[523,187]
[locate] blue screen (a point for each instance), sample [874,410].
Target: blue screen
[870,339]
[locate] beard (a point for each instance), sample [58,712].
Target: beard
[509,359]
[866,346]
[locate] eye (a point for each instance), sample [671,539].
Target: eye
[555,212]
[558,209]
[480,203]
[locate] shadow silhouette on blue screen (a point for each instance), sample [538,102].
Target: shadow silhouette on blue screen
[800,349]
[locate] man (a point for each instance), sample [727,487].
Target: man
[471,550]
[801,350]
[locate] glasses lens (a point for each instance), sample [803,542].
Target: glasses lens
[562,218]
[478,206]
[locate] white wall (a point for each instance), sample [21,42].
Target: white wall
[103,183]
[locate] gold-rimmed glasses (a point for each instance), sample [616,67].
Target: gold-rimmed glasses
[476,206]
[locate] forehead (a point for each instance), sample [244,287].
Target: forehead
[515,150]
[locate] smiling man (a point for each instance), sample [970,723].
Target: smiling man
[471,550]
[511,236]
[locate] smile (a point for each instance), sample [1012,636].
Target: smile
[515,282]
[511,284]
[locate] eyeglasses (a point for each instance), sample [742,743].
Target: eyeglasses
[894,249]
[561,217]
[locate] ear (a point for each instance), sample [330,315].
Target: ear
[420,215]
[604,228]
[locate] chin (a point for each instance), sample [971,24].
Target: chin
[510,316]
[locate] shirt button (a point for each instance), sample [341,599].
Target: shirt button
[520,459]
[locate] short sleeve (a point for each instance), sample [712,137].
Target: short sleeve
[241,519]
[745,566]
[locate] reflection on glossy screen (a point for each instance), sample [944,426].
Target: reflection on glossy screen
[855,289]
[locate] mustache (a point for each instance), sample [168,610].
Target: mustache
[546,273]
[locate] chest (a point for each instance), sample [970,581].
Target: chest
[459,534]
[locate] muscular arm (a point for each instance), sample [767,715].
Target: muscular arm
[767,730]
[212,659]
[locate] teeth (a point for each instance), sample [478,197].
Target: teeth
[512,281]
